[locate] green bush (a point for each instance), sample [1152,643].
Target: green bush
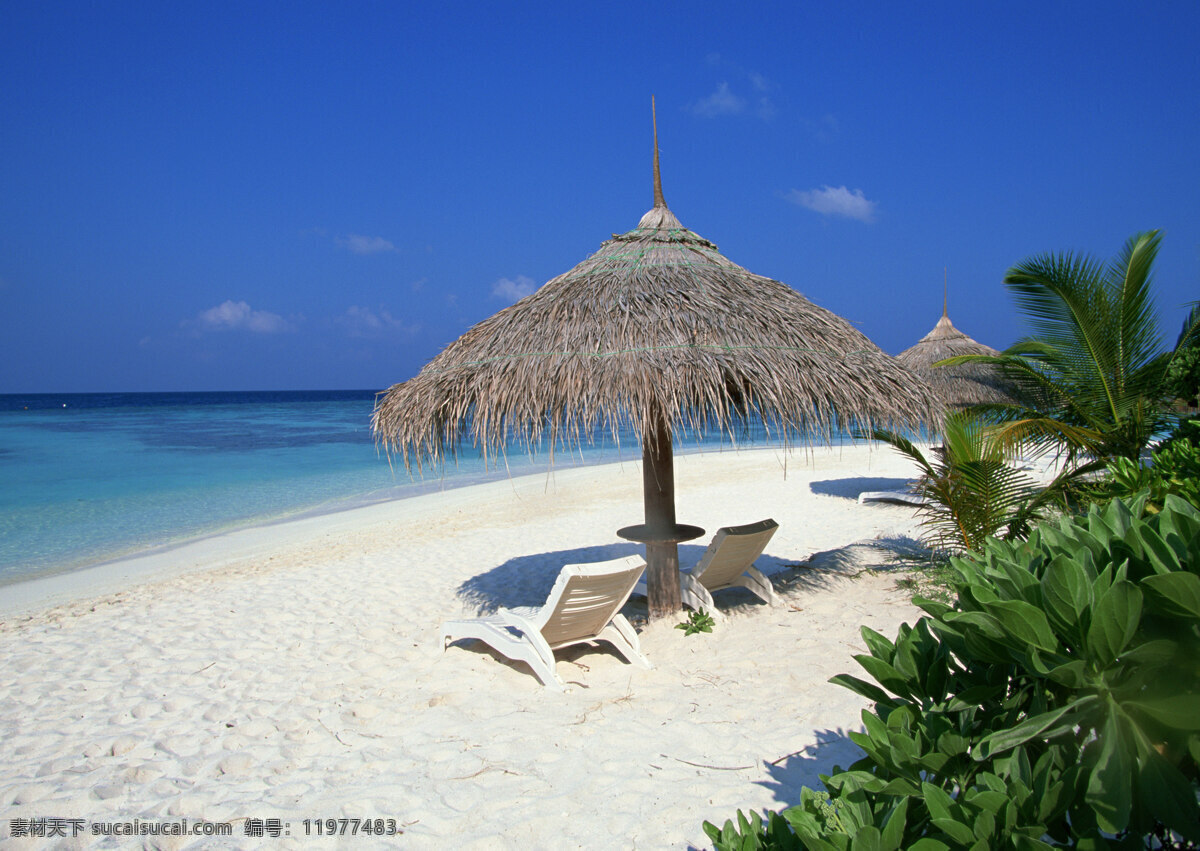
[1056,703]
[1174,469]
[1183,375]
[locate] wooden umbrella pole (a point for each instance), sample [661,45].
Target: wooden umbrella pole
[658,485]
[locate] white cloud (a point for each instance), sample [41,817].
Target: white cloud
[359,244]
[731,99]
[238,315]
[721,102]
[824,129]
[836,201]
[363,322]
[514,290]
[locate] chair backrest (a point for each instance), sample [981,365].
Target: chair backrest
[733,549]
[585,598]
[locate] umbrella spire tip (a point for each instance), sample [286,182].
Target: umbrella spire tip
[659,201]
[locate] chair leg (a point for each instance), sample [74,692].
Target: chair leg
[754,580]
[524,647]
[621,635]
[696,596]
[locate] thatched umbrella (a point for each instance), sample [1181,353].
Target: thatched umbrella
[962,384]
[660,332]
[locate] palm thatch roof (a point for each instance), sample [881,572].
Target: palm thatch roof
[657,323]
[963,384]
[660,332]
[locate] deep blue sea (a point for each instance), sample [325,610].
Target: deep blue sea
[88,478]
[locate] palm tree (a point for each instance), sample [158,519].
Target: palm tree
[1093,372]
[971,490]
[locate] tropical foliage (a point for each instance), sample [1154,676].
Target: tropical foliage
[1183,373]
[1057,703]
[1095,360]
[972,489]
[1174,468]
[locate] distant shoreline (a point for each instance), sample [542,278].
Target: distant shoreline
[164,560]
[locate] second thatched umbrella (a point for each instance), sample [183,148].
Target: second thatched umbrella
[659,332]
[959,385]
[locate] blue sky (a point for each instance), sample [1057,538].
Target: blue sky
[203,196]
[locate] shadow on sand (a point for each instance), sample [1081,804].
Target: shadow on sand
[526,580]
[850,488]
[790,773]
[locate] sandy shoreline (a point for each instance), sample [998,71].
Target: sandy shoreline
[292,672]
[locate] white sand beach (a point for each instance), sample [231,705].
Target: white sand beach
[294,672]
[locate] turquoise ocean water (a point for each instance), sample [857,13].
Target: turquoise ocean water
[88,478]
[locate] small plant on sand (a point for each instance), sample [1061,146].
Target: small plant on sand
[697,621]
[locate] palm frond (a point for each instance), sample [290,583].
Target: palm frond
[1138,325]
[1189,334]
[905,447]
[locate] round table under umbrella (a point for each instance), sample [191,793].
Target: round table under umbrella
[659,332]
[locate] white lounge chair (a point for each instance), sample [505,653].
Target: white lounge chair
[583,606]
[728,562]
[901,497]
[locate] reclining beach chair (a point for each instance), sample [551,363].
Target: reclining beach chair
[728,562]
[900,497]
[583,606]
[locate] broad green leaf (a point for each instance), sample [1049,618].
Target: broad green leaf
[1162,558]
[867,839]
[937,801]
[1043,726]
[865,742]
[1066,591]
[854,810]
[1181,712]
[929,844]
[1169,795]
[977,696]
[991,801]
[1050,803]
[893,829]
[992,782]
[985,825]
[868,690]
[884,674]
[1115,619]
[1188,515]
[905,661]
[875,727]
[1152,654]
[956,830]
[1174,594]
[1073,674]
[1118,518]
[934,608]
[952,744]
[901,786]
[1025,622]
[1110,787]
[879,646]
